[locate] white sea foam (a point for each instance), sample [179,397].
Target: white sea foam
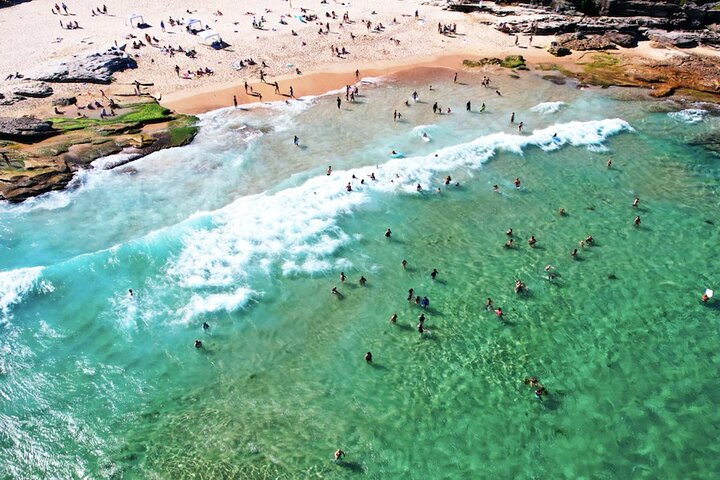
[14,285]
[546,108]
[690,115]
[218,302]
[296,229]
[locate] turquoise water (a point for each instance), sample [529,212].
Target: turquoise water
[243,230]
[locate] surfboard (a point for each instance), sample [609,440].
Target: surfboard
[397,155]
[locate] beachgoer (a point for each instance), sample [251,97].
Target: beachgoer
[467,106]
[338,102]
[296,141]
[482,108]
[520,127]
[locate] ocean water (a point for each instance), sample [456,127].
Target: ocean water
[245,231]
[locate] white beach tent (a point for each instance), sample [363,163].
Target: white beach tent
[193,24]
[210,36]
[134,20]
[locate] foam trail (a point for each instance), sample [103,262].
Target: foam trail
[690,115]
[546,108]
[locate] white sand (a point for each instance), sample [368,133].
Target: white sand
[36,37]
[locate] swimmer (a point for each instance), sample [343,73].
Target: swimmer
[488,303]
[509,233]
[516,182]
[420,328]
[437,190]
[372,176]
[329,170]
[368,357]
[509,243]
[339,454]
[434,273]
[421,318]
[198,344]
[532,381]
[410,295]
[540,392]
[562,212]
[573,254]
[520,127]
[205,325]
[425,136]
[404,263]
[581,243]
[609,163]
[393,152]
[348,187]
[342,277]
[548,268]
[388,233]
[636,202]
[363,281]
[637,221]
[496,188]
[589,240]
[499,312]
[130,293]
[418,188]
[334,291]
[704,298]
[532,241]
[448,180]
[417,300]
[393,318]
[425,303]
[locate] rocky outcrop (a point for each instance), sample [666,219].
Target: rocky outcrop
[607,41]
[25,129]
[92,68]
[64,101]
[33,89]
[16,188]
[684,39]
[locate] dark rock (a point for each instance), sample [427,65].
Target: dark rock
[608,41]
[23,186]
[557,80]
[12,100]
[64,102]
[93,68]
[558,51]
[678,39]
[24,128]
[33,89]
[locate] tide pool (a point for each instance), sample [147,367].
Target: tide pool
[245,231]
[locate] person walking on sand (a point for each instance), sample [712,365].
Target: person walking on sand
[296,141]
[455,79]
[357,74]
[235,101]
[292,93]
[339,102]
[467,106]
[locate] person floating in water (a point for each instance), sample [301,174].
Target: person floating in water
[339,454]
[198,344]
[368,357]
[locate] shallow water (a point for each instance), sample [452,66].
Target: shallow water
[245,231]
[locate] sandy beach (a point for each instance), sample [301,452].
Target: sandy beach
[284,42]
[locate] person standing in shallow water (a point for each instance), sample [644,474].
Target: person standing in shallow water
[368,357]
[388,233]
[636,222]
